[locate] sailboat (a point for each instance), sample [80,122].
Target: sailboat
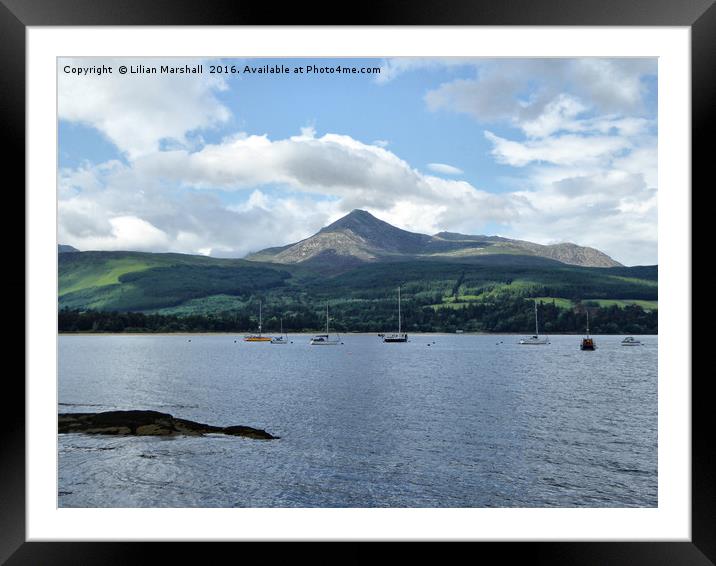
[536,339]
[325,339]
[587,341]
[257,337]
[283,339]
[398,336]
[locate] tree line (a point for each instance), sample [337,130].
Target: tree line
[503,314]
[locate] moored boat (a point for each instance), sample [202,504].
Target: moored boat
[536,339]
[282,339]
[257,337]
[399,336]
[588,342]
[325,339]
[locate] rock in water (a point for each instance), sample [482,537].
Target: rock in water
[147,423]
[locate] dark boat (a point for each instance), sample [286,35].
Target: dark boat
[587,341]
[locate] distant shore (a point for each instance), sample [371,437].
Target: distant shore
[313,332]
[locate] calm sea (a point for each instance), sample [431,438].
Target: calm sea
[442,421]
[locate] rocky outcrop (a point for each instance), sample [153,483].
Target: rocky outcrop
[148,423]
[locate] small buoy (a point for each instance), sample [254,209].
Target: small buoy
[428,344]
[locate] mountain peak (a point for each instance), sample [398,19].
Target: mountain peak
[360,237]
[356,218]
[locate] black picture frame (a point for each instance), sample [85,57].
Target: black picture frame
[16,15]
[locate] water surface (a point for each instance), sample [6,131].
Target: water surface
[442,421]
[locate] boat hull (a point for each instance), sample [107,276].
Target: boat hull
[257,339]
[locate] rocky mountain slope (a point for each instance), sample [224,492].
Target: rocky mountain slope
[360,237]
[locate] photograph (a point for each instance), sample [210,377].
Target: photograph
[471,241]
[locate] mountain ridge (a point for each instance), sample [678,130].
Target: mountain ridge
[359,237]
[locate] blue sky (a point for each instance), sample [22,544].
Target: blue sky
[544,150]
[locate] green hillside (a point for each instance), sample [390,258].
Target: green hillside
[136,281]
[436,294]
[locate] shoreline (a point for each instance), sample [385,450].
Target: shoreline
[311,333]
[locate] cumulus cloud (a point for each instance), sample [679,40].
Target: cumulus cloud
[530,91]
[137,112]
[616,212]
[361,175]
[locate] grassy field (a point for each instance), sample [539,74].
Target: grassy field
[646,305]
[558,302]
[100,275]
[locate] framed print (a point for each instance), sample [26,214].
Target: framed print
[472,210]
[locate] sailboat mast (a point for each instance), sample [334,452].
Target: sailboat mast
[259,318]
[587,322]
[326,317]
[536,321]
[398,309]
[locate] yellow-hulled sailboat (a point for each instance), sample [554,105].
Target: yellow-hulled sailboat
[257,337]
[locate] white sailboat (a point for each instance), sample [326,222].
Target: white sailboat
[398,336]
[283,339]
[325,339]
[536,339]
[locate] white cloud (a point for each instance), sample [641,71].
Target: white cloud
[124,233]
[444,168]
[137,112]
[570,150]
[612,210]
[558,114]
[361,175]
[521,91]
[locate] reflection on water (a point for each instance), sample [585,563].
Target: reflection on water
[466,421]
